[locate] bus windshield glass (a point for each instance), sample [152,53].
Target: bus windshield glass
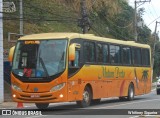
[42,58]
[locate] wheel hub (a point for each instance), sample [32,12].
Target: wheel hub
[131,93]
[86,96]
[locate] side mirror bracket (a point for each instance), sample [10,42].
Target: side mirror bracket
[11,52]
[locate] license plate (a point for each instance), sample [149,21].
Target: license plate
[35,96]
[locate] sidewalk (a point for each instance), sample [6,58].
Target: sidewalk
[11,105]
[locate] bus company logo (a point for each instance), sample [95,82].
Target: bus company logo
[35,89]
[6,112]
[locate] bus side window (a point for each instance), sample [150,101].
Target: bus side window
[75,63]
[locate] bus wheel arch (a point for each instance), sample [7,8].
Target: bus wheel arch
[87,96]
[90,87]
[131,91]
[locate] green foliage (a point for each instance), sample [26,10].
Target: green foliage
[157,60]
[144,34]
[107,19]
[118,26]
[54,16]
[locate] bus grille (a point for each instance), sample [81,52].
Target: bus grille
[42,96]
[39,98]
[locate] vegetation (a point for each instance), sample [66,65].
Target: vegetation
[109,18]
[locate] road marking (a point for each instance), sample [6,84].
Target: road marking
[37,116]
[125,104]
[3,108]
[134,117]
[30,106]
[141,116]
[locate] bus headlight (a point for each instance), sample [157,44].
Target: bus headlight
[15,87]
[58,87]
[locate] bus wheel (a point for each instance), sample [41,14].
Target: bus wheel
[131,92]
[95,101]
[42,105]
[86,98]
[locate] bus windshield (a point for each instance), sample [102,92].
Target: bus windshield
[42,58]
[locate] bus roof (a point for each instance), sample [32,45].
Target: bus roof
[49,36]
[77,35]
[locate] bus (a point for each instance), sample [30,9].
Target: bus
[65,67]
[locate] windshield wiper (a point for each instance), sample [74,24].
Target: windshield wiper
[44,67]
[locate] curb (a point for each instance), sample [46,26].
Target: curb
[154,84]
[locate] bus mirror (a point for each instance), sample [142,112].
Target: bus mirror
[11,52]
[72,50]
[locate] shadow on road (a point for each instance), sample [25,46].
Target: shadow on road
[73,105]
[97,109]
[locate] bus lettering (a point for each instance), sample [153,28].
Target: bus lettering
[107,74]
[31,42]
[122,74]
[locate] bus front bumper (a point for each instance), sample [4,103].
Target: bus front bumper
[47,97]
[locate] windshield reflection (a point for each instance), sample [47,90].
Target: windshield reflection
[39,59]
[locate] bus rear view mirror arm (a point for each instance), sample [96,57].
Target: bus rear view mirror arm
[11,52]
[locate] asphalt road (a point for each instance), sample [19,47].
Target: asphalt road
[147,106]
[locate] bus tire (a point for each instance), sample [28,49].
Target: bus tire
[130,92]
[95,101]
[42,105]
[87,96]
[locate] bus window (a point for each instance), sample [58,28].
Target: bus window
[48,57]
[74,65]
[24,60]
[115,55]
[76,62]
[136,53]
[126,55]
[105,54]
[28,57]
[145,57]
[99,53]
[89,52]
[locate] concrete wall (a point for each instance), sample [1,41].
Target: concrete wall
[1,55]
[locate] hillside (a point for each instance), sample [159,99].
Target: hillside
[109,18]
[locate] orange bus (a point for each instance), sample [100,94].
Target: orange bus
[60,67]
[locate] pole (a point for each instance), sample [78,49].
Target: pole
[155,41]
[1,53]
[21,17]
[84,22]
[84,15]
[135,21]
[135,16]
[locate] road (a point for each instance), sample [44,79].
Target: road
[108,108]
